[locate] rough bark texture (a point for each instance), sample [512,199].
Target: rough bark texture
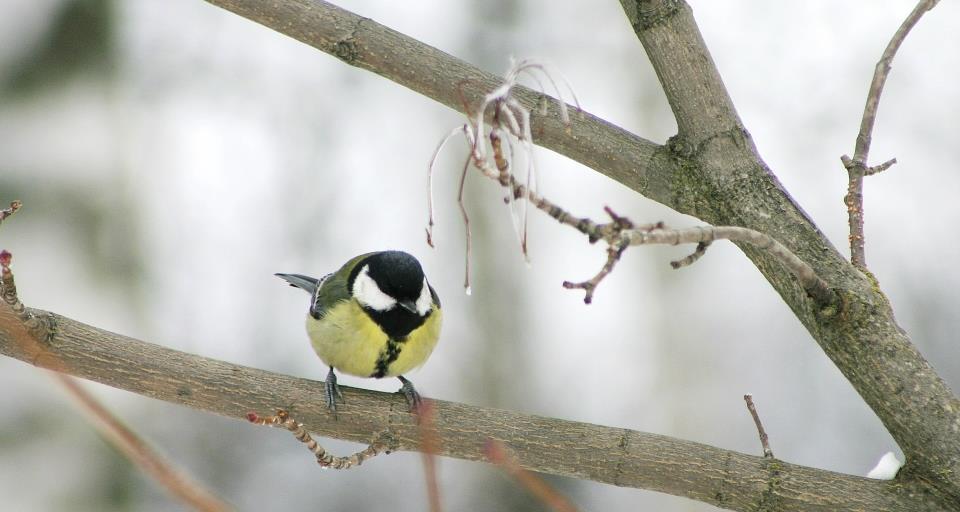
[710,170]
[615,456]
[728,183]
[363,43]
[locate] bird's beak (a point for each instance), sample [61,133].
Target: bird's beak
[408,305]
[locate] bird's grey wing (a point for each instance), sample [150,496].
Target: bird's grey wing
[329,292]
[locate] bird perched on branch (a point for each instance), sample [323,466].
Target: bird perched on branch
[375,317]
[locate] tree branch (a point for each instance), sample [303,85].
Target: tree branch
[724,181]
[30,332]
[857,166]
[615,456]
[710,170]
[764,440]
[364,43]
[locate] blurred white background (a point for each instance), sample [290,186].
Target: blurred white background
[172,156]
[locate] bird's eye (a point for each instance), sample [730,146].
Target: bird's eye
[425,300]
[366,291]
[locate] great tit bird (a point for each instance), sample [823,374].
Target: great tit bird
[375,317]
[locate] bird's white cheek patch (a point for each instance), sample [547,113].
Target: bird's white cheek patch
[367,292]
[424,301]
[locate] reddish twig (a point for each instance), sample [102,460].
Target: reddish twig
[139,452]
[764,441]
[34,333]
[857,166]
[429,447]
[496,452]
[381,443]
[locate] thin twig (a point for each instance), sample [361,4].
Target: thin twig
[510,121]
[6,212]
[496,452]
[693,257]
[764,441]
[433,162]
[616,245]
[857,166]
[139,452]
[380,444]
[466,227]
[808,279]
[876,169]
[614,252]
[621,232]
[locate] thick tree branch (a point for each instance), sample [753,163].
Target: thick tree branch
[710,170]
[725,182]
[615,456]
[364,43]
[702,108]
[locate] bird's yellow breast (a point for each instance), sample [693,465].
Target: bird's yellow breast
[347,339]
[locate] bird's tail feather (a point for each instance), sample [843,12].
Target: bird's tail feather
[301,281]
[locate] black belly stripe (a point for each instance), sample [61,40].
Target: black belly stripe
[389,354]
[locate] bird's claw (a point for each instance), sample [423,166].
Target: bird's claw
[332,392]
[410,393]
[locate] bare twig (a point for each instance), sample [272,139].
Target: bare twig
[433,162]
[764,441]
[466,226]
[139,452]
[616,245]
[614,252]
[621,233]
[38,328]
[36,333]
[380,444]
[876,169]
[808,279]
[6,212]
[511,122]
[857,166]
[496,452]
[692,257]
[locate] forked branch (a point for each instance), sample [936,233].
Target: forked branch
[617,456]
[857,166]
[31,332]
[509,138]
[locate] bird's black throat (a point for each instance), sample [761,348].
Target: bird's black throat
[397,323]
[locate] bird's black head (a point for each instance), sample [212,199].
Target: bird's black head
[392,289]
[396,273]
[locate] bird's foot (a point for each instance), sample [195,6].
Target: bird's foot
[332,391]
[410,393]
